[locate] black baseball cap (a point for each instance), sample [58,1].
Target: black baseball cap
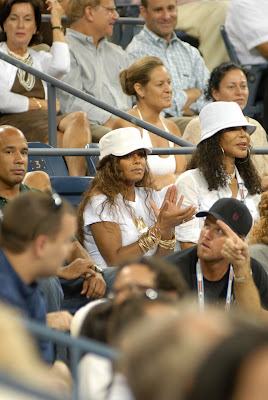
[233,212]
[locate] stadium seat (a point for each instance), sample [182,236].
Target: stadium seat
[254,107]
[71,187]
[52,165]
[92,161]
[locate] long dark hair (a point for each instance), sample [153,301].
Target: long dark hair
[208,157]
[110,181]
[5,10]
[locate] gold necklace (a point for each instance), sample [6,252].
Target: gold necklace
[29,82]
[140,224]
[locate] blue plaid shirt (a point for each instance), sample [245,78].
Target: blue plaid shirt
[185,65]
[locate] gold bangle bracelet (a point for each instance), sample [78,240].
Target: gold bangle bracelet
[38,103]
[168,244]
[150,239]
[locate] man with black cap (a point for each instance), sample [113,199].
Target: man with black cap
[219,268]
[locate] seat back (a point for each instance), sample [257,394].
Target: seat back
[52,165]
[71,187]
[92,161]
[254,107]
[229,47]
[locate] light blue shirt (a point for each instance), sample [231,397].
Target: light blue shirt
[96,72]
[185,65]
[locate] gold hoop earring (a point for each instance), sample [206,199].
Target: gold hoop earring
[222,151]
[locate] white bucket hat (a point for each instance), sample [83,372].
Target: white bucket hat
[121,142]
[221,115]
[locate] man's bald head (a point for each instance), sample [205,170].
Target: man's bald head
[13,156]
[7,130]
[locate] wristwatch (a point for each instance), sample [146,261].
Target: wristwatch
[60,27]
[98,269]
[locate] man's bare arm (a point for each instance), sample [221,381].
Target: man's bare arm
[236,251]
[192,95]
[263,49]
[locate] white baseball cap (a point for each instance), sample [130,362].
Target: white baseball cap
[122,141]
[221,115]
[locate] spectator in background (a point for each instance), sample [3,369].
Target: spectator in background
[148,80]
[185,65]
[95,62]
[23,97]
[259,234]
[246,26]
[202,20]
[228,82]
[221,166]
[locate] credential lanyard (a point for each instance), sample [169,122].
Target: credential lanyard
[240,189]
[200,287]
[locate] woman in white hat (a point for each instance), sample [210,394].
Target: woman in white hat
[220,167]
[121,215]
[228,82]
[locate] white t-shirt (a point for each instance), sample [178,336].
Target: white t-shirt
[193,186]
[246,26]
[119,214]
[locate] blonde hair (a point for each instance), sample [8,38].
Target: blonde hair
[259,232]
[138,72]
[75,9]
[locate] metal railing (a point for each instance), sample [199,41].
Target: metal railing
[52,83]
[77,347]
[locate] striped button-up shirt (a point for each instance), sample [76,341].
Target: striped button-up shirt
[185,65]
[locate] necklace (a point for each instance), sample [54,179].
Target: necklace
[15,55]
[140,224]
[25,79]
[231,176]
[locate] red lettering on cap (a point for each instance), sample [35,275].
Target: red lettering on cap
[235,216]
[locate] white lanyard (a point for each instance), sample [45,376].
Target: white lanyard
[200,287]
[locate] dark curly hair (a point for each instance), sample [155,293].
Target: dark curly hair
[217,75]
[208,157]
[5,10]
[110,181]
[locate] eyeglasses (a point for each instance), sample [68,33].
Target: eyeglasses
[134,289]
[111,10]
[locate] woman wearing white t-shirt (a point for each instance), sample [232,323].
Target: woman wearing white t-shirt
[121,215]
